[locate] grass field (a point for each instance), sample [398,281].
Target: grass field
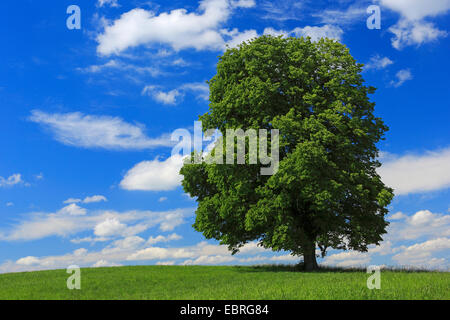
[223,283]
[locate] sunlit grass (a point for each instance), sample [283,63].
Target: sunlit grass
[223,283]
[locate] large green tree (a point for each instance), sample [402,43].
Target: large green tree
[326,193]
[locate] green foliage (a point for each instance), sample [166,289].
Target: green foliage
[222,283]
[327,191]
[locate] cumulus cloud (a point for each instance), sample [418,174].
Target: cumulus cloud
[402,76]
[11,180]
[90,240]
[420,254]
[111,3]
[109,227]
[160,238]
[154,175]
[417,173]
[73,209]
[422,224]
[354,13]
[201,253]
[134,248]
[397,216]
[178,28]
[377,62]
[96,198]
[118,65]
[417,9]
[348,259]
[412,28]
[409,33]
[314,32]
[237,37]
[156,253]
[243,3]
[90,131]
[91,199]
[169,97]
[209,260]
[165,263]
[174,96]
[28,261]
[103,263]
[103,223]
[129,242]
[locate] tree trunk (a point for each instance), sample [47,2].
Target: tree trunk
[309,257]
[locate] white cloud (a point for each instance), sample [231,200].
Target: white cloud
[160,238]
[154,175]
[326,31]
[420,254]
[200,30]
[155,253]
[402,76]
[130,242]
[92,199]
[377,62]
[412,28]
[409,33]
[417,173]
[417,9]
[273,32]
[111,3]
[109,227]
[80,252]
[11,180]
[172,220]
[172,97]
[28,261]
[41,225]
[96,198]
[177,28]
[243,3]
[422,224]
[45,225]
[73,209]
[89,131]
[169,98]
[72,200]
[239,37]
[348,16]
[202,253]
[282,10]
[397,216]
[115,64]
[348,259]
[10,204]
[209,260]
[91,240]
[201,88]
[103,263]
[165,263]
[285,257]
[315,32]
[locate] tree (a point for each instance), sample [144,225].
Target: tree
[326,193]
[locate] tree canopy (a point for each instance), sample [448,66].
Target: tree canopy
[326,192]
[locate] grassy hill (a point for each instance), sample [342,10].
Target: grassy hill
[223,283]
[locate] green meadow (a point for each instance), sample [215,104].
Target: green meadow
[224,283]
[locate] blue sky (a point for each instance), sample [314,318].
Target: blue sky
[86,173]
